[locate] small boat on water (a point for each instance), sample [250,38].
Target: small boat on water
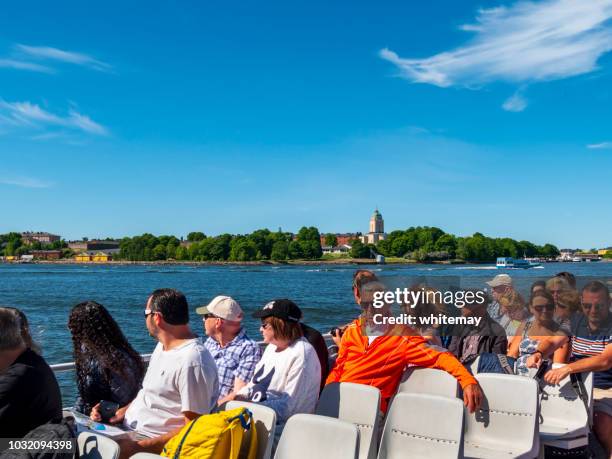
[519,263]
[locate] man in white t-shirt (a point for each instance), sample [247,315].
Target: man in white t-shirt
[181,382]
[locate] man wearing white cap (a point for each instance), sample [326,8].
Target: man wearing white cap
[500,286]
[235,354]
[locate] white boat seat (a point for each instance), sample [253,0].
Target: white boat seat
[96,446]
[506,425]
[356,403]
[426,426]
[265,422]
[308,436]
[428,381]
[562,412]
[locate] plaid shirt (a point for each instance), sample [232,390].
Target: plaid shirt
[236,360]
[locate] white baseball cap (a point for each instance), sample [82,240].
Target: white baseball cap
[500,279]
[224,307]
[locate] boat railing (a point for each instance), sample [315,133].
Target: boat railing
[70,366]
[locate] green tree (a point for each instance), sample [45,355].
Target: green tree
[331,240]
[181,253]
[549,251]
[280,251]
[447,243]
[295,250]
[196,236]
[359,249]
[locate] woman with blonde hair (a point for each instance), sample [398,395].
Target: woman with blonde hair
[514,310]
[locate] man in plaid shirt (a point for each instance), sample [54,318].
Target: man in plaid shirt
[234,353]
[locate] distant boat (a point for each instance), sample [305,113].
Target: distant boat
[511,263]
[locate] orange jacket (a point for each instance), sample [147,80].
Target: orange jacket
[382,363]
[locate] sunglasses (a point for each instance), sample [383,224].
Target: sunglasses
[265,325]
[597,306]
[148,312]
[210,316]
[547,307]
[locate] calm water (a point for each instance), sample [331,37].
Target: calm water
[46,293]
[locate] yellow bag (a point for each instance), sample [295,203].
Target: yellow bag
[214,436]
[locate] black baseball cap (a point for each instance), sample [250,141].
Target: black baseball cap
[283,309]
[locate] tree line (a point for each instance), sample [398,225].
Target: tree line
[421,243]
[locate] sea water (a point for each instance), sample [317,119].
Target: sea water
[46,293]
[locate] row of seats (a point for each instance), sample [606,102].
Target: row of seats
[425,418]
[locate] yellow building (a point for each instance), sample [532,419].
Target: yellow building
[602,252]
[102,257]
[82,257]
[10,258]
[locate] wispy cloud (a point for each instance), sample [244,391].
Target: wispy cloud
[516,102]
[60,55]
[25,182]
[522,43]
[600,146]
[27,114]
[24,65]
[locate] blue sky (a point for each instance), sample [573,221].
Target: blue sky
[116,119]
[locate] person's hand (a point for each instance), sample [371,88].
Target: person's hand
[127,447]
[336,337]
[472,397]
[534,360]
[555,376]
[95,413]
[119,415]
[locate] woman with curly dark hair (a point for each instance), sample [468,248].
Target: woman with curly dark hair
[107,366]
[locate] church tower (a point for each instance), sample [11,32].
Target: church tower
[377,229]
[377,224]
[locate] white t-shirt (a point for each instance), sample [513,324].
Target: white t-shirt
[178,380]
[287,381]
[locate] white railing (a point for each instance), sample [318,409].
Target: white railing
[69,366]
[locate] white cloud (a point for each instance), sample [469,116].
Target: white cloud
[25,182]
[516,102]
[23,65]
[70,57]
[600,146]
[522,43]
[26,114]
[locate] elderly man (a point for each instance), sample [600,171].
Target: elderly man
[233,351]
[181,382]
[29,393]
[591,351]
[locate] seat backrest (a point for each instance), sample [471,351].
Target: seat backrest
[428,381]
[561,404]
[96,446]
[265,422]
[356,403]
[508,416]
[307,436]
[426,426]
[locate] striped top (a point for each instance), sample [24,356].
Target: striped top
[587,343]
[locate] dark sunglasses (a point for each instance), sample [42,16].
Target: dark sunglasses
[210,316]
[548,307]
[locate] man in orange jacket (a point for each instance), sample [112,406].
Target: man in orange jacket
[377,356]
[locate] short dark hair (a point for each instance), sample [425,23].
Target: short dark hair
[172,305]
[285,330]
[596,287]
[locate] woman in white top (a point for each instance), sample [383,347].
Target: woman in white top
[287,378]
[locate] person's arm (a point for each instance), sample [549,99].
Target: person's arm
[546,347]
[423,355]
[513,351]
[116,419]
[244,372]
[562,354]
[336,372]
[601,362]
[154,445]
